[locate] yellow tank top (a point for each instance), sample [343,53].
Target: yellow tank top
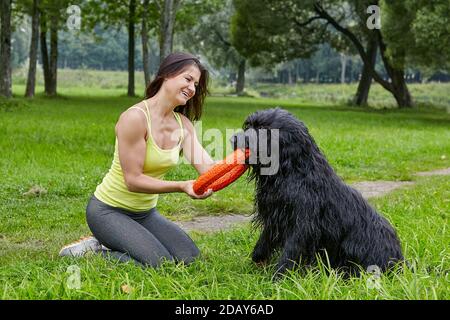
[113,190]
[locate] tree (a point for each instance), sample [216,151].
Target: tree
[31,79]
[423,34]
[397,84]
[180,15]
[362,92]
[113,13]
[168,16]
[149,24]
[51,21]
[131,46]
[211,38]
[5,49]
[160,16]
[262,35]
[144,39]
[308,17]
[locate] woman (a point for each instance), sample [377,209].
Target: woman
[150,136]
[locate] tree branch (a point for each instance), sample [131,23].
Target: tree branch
[383,53]
[225,42]
[176,6]
[322,13]
[124,3]
[304,24]
[158,5]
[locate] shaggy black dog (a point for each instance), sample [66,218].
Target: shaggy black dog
[304,208]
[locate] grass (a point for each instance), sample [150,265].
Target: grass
[429,94]
[423,94]
[225,271]
[65,144]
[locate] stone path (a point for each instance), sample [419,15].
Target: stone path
[368,189]
[441,172]
[213,223]
[371,189]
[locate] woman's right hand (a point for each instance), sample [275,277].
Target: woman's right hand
[188,188]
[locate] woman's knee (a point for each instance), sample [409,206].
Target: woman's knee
[188,255]
[175,239]
[154,260]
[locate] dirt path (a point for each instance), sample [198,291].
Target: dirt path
[213,223]
[368,189]
[371,189]
[441,172]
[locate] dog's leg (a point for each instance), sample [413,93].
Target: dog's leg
[289,257]
[300,246]
[263,249]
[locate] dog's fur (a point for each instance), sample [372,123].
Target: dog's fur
[307,211]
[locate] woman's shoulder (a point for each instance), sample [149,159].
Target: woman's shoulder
[134,113]
[135,109]
[188,127]
[187,123]
[133,117]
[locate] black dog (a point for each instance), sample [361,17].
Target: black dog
[304,208]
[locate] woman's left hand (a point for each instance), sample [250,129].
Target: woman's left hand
[188,188]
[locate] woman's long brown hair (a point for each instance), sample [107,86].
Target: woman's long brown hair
[172,66]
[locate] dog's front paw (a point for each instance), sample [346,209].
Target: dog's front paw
[262,264]
[259,258]
[278,275]
[282,268]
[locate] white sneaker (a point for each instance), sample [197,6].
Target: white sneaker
[81,247]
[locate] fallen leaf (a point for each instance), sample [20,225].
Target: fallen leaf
[35,191]
[127,289]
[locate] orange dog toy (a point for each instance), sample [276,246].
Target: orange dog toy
[223,173]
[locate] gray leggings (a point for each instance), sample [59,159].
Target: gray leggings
[147,238]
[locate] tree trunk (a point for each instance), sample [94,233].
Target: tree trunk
[144,36]
[398,86]
[131,47]
[343,67]
[240,83]
[44,52]
[362,93]
[5,49]
[53,56]
[167,28]
[400,89]
[307,75]
[31,80]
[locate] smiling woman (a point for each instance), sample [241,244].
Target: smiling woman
[192,73]
[150,137]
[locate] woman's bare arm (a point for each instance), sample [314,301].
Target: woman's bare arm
[194,151]
[130,131]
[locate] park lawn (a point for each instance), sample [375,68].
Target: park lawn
[432,93]
[65,145]
[107,82]
[32,270]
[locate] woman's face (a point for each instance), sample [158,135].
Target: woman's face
[182,86]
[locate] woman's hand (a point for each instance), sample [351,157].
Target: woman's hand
[188,188]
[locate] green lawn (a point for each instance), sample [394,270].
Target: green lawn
[65,146]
